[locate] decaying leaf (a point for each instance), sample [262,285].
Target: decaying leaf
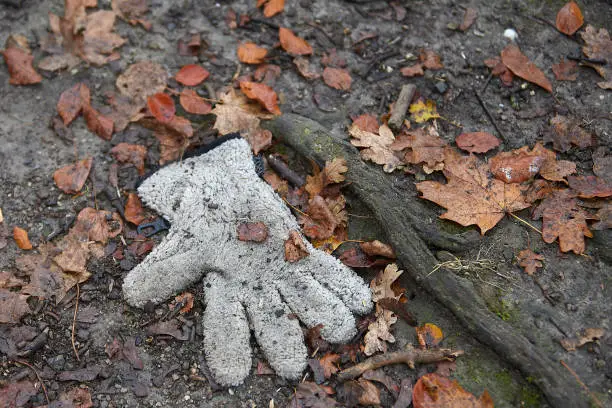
[252,231]
[305,69]
[238,114]
[70,179]
[379,332]
[131,153]
[97,225]
[423,111]
[471,195]
[565,131]
[97,123]
[590,186]
[367,122]
[569,18]
[191,75]
[134,212]
[319,221]
[185,301]
[192,103]
[72,101]
[328,362]
[99,40]
[141,80]
[260,140]
[19,63]
[293,44]
[271,7]
[337,78]
[429,335]
[565,70]
[530,261]
[251,53]
[377,146]
[477,142]
[170,328]
[499,69]
[434,391]
[583,337]
[21,238]
[521,164]
[370,393]
[162,107]
[430,59]
[333,172]
[598,45]
[469,17]
[521,66]
[263,94]
[295,248]
[413,70]
[425,147]
[377,248]
[310,394]
[562,218]
[557,170]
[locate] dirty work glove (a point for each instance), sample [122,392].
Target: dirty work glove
[205,198]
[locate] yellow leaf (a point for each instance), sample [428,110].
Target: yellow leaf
[423,111]
[429,335]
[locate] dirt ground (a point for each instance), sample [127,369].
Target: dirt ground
[174,372]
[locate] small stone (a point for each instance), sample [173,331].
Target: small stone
[441,87]
[57,362]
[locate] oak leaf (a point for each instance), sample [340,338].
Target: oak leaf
[21,238]
[569,18]
[471,195]
[293,44]
[70,179]
[192,103]
[328,362]
[191,75]
[477,142]
[251,53]
[379,332]
[530,261]
[337,78]
[521,66]
[319,222]
[295,248]
[263,94]
[377,146]
[434,391]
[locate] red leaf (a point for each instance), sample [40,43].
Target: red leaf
[367,122]
[477,142]
[192,103]
[191,75]
[263,94]
[19,63]
[97,123]
[569,18]
[565,70]
[133,210]
[252,231]
[72,101]
[293,44]
[250,53]
[70,179]
[162,107]
[519,64]
[337,78]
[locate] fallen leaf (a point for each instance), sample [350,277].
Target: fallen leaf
[18,394]
[260,140]
[82,374]
[192,103]
[141,80]
[21,238]
[75,398]
[367,122]
[521,66]
[471,195]
[499,69]
[133,210]
[429,335]
[557,170]
[97,123]
[99,40]
[430,59]
[598,45]
[328,245]
[334,170]
[337,78]
[96,225]
[603,217]
[565,131]
[305,69]
[72,101]
[379,332]
[569,18]
[377,248]
[267,73]
[162,107]
[562,218]
[435,391]
[590,186]
[356,258]
[293,44]
[131,153]
[425,146]
[413,70]
[309,394]
[583,337]
[381,284]
[263,94]
[191,75]
[130,354]
[477,142]
[423,111]
[530,261]
[329,363]
[19,64]
[370,394]
[377,146]
[169,328]
[469,17]
[565,70]
[252,231]
[319,221]
[264,369]
[398,307]
[191,45]
[380,376]
[271,7]
[13,306]
[521,164]
[238,114]
[185,301]
[251,53]
[295,248]
[70,179]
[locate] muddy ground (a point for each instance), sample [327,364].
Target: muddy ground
[174,371]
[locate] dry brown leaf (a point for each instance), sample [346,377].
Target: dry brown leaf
[377,248]
[569,18]
[565,131]
[295,248]
[379,332]
[237,114]
[337,78]
[367,122]
[557,170]
[430,59]
[425,146]
[334,170]
[191,75]
[19,64]
[471,195]
[21,238]
[185,300]
[413,70]
[70,179]
[477,142]
[263,94]
[521,164]
[371,393]
[328,363]
[434,391]
[134,212]
[590,186]
[530,261]
[99,41]
[588,335]
[305,69]
[96,225]
[131,153]
[97,123]
[252,231]
[278,184]
[499,69]
[521,66]
[293,44]
[469,17]
[377,146]
[267,73]
[141,80]
[562,218]
[192,103]
[130,10]
[13,306]
[565,70]
[271,7]
[260,140]
[251,53]
[72,101]
[598,45]
[381,285]
[319,221]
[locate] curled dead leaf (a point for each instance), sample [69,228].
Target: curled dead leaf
[70,179]
[293,44]
[377,248]
[131,153]
[588,335]
[295,248]
[263,94]
[72,101]
[133,209]
[21,238]
[521,66]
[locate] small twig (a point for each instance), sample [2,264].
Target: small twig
[583,385]
[409,357]
[526,223]
[264,22]
[486,84]
[76,309]
[322,31]
[302,213]
[42,383]
[285,172]
[378,59]
[491,118]
[597,61]
[400,107]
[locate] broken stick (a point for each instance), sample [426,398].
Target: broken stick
[400,107]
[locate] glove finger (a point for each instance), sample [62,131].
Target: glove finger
[314,305]
[279,337]
[163,273]
[339,279]
[226,334]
